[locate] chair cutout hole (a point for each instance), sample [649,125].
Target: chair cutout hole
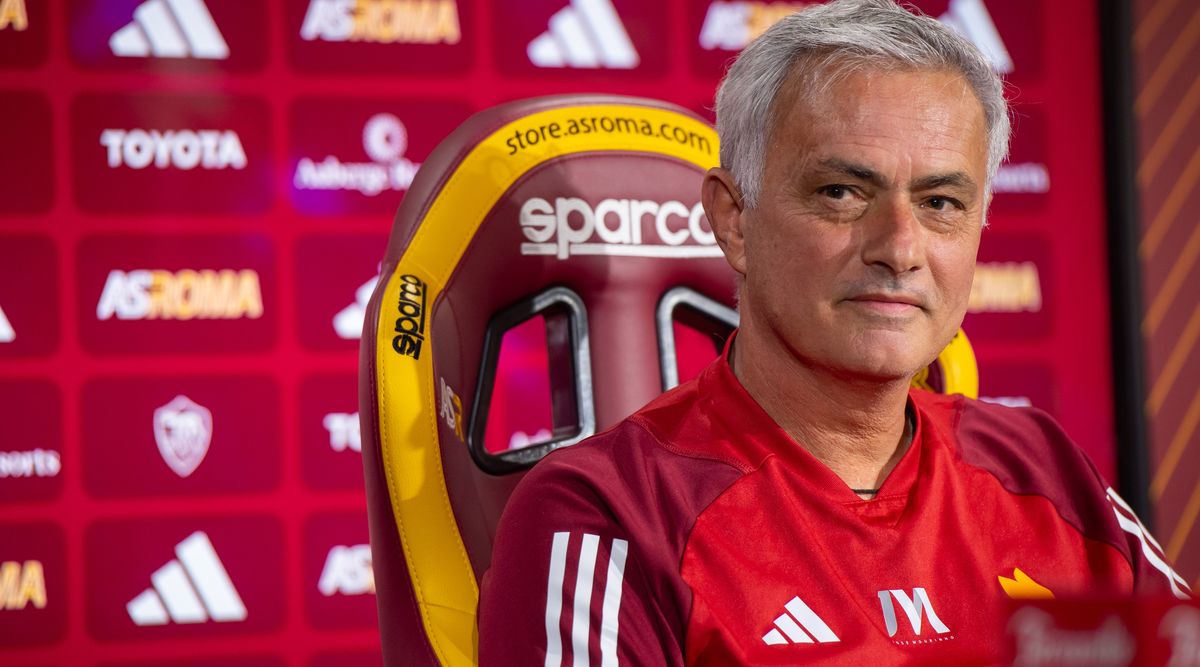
[534,390]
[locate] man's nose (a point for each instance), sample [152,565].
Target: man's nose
[893,239]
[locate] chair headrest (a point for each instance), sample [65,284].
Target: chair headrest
[578,208]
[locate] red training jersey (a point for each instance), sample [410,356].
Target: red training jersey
[697,532]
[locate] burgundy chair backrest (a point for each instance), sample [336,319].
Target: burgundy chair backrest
[579,210]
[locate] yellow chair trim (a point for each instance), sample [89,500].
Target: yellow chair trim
[443,580]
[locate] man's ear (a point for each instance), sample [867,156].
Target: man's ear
[723,205]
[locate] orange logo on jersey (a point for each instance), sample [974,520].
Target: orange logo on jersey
[1022,587]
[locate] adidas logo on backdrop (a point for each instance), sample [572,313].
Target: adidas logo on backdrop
[585,34]
[192,588]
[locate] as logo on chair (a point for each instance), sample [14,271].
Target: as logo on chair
[410,326]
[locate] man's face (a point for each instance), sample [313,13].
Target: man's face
[860,253]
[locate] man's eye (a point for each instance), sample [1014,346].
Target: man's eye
[942,203]
[835,191]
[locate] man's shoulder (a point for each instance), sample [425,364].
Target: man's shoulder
[640,462]
[1028,453]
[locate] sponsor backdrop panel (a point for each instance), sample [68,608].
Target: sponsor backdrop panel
[176,294]
[359,157]
[337,557]
[184,577]
[159,437]
[29,314]
[330,444]
[31,448]
[26,168]
[195,197]
[34,573]
[175,36]
[150,153]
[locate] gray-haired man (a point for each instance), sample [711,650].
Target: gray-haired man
[799,502]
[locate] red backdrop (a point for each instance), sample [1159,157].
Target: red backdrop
[195,198]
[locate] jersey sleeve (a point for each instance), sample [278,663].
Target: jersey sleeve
[568,583]
[1030,453]
[1151,571]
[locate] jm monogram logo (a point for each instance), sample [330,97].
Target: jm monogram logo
[916,607]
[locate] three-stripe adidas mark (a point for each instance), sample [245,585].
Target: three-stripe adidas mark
[581,614]
[1151,550]
[799,625]
[192,589]
[170,29]
[586,34]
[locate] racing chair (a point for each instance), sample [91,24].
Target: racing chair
[582,213]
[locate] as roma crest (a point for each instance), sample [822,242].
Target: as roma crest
[183,431]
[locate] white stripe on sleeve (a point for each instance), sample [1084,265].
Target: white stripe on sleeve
[581,614]
[612,603]
[554,591]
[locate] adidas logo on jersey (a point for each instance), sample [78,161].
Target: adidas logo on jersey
[193,588]
[1153,552]
[582,589]
[799,625]
[170,29]
[585,34]
[7,333]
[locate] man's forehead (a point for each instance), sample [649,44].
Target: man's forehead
[932,112]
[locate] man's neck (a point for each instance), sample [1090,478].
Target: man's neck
[857,428]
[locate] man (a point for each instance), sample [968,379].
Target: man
[798,502]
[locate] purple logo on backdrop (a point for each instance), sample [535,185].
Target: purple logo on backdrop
[360,157]
[169,35]
[183,430]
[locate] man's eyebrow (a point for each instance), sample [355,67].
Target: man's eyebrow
[956,179]
[851,169]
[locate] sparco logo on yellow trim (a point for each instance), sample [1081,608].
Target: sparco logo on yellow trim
[181,295]
[410,326]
